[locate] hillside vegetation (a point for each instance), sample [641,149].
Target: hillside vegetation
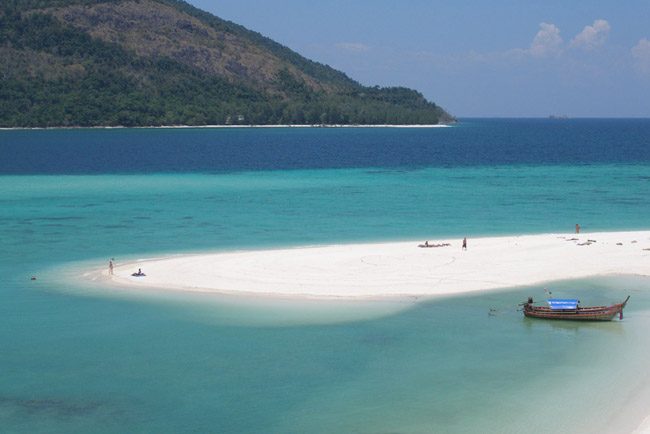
[164,62]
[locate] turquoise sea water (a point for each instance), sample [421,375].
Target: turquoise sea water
[77,356]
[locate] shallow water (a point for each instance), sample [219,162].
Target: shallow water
[78,356]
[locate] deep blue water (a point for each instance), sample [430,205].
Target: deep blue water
[475,142]
[76,356]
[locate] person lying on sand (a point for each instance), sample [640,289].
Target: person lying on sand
[426,244]
[139,273]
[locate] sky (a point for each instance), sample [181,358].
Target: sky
[474,58]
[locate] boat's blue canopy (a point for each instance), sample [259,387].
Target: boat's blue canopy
[557,303]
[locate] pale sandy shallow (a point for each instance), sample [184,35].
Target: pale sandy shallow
[398,269]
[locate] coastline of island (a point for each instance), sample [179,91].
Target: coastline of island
[171,127]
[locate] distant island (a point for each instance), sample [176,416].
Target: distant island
[90,63]
[558,117]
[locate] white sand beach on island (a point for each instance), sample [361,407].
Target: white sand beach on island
[441,125]
[398,268]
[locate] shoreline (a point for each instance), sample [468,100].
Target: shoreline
[171,127]
[395,269]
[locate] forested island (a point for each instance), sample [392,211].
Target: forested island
[87,63]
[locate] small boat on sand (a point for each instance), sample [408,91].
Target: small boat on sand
[571,310]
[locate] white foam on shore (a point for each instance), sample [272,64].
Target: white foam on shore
[398,269]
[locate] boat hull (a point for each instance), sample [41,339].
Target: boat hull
[592,313]
[574,316]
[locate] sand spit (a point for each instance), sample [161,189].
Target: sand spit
[398,269]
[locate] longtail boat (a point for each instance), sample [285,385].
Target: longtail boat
[571,310]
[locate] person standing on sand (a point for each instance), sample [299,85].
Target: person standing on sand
[110,267]
[464,243]
[577,228]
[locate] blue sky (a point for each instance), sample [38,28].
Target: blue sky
[474,58]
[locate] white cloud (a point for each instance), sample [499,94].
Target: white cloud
[355,47]
[547,41]
[591,36]
[641,54]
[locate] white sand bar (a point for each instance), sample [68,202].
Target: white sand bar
[399,269]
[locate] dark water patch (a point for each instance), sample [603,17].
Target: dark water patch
[211,225]
[462,177]
[292,212]
[50,407]
[54,218]
[379,340]
[189,217]
[141,218]
[624,201]
[116,226]
[350,191]
[11,220]
[27,231]
[224,173]
[378,172]
[85,205]
[182,226]
[391,171]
